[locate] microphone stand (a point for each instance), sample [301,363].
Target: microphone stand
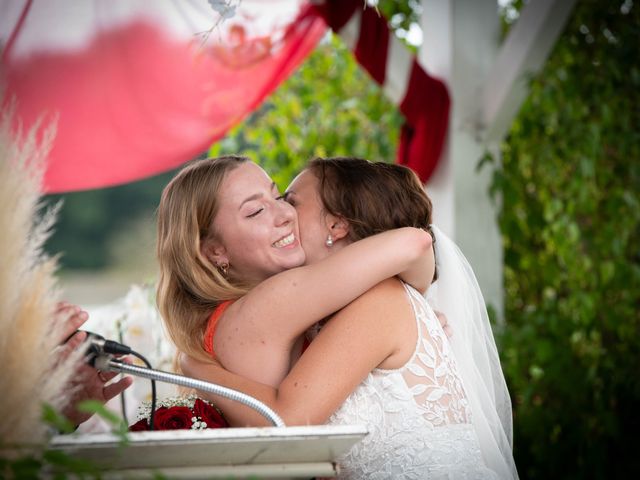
[109,363]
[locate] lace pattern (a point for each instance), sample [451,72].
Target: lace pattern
[418,415]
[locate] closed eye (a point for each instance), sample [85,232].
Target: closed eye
[255,213]
[288,198]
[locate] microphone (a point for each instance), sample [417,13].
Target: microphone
[99,347]
[100,356]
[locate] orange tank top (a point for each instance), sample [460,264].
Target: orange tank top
[210,331]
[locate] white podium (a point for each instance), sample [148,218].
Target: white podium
[272,452]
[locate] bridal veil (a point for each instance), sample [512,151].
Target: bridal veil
[456,293]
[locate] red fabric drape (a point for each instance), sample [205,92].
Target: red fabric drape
[426,102]
[136,99]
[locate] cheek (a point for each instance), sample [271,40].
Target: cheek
[310,236]
[241,238]
[253,238]
[305,226]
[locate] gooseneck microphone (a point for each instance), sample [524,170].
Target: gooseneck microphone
[99,349]
[100,355]
[99,346]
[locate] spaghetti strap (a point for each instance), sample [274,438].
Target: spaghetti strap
[210,331]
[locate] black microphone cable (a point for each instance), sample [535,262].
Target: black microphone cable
[99,345]
[123,400]
[153,389]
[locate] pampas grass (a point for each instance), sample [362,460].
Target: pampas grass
[31,373]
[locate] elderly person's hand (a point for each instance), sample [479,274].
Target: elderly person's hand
[87,383]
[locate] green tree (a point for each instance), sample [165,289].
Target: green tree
[570,188]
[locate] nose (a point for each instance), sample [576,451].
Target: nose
[285,213]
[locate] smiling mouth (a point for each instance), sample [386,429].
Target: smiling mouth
[283,242]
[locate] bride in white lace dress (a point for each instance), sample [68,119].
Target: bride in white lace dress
[418,415]
[384,360]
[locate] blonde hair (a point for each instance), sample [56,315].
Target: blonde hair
[190,287]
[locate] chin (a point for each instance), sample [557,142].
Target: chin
[294,261]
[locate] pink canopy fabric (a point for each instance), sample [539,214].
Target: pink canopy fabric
[135,91]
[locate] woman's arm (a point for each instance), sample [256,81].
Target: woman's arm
[420,273]
[352,343]
[285,305]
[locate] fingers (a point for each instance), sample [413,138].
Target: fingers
[68,318]
[61,305]
[116,388]
[444,323]
[447,331]
[76,340]
[106,376]
[64,350]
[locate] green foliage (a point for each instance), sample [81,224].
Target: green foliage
[38,463]
[58,422]
[401,15]
[570,188]
[118,426]
[329,107]
[90,220]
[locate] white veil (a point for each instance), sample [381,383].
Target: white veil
[457,295]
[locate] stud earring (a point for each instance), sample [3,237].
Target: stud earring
[223,268]
[329,242]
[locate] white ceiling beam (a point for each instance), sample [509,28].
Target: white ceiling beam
[522,54]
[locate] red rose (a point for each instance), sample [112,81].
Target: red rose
[174,418]
[209,414]
[139,426]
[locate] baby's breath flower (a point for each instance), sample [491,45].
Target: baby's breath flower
[144,410]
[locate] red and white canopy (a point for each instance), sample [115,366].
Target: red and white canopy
[138,88]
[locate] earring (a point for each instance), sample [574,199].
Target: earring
[329,242]
[224,268]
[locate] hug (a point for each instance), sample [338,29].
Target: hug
[315,302]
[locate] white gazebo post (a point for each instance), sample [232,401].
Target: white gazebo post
[487,83]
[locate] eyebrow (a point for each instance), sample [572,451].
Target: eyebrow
[255,196]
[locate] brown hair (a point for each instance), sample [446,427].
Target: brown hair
[190,286]
[371,196]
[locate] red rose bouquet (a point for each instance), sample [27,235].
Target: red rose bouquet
[180,413]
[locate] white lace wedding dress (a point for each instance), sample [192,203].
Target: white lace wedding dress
[418,416]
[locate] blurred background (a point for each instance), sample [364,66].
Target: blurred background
[566,184]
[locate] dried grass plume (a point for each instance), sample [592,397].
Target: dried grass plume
[28,292]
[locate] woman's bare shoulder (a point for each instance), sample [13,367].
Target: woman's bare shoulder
[385,298]
[391,287]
